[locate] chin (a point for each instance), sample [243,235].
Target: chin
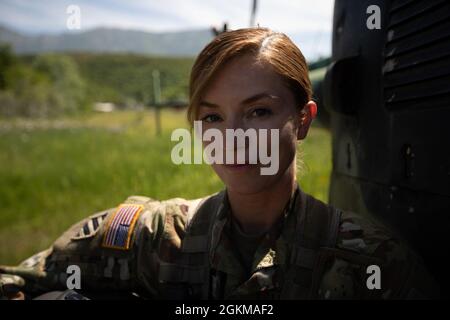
[244,180]
[245,187]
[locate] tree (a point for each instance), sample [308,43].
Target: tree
[7,59]
[69,89]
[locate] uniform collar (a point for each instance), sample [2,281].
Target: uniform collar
[273,249]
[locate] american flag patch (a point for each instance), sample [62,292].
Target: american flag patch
[120,228]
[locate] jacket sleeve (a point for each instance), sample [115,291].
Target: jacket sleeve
[117,249]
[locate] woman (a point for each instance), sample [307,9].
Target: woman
[261,237]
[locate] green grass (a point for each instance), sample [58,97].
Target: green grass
[54,173]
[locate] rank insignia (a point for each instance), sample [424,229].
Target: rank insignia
[90,228]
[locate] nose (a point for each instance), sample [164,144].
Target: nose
[234,135]
[235,122]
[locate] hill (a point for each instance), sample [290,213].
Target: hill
[171,44]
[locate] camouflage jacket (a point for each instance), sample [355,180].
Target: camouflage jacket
[182,248]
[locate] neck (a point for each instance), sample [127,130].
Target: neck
[256,213]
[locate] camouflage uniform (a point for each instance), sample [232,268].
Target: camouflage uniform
[182,249]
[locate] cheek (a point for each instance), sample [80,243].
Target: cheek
[288,147]
[287,142]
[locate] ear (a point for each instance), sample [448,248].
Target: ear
[307,115]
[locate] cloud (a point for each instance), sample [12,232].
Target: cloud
[33,16]
[308,25]
[50,15]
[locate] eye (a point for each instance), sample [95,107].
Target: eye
[211,118]
[260,112]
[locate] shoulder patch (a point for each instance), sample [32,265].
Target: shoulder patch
[90,228]
[121,226]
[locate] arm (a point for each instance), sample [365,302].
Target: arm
[116,250]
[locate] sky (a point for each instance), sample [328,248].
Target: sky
[308,25]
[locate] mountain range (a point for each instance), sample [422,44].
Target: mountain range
[182,43]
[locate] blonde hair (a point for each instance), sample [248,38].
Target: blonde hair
[266,45]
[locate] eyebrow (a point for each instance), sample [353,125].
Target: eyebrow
[248,100]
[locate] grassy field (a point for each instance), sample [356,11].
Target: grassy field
[53,173]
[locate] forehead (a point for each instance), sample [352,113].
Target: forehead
[243,77]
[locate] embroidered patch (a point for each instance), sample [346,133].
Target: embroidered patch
[121,225]
[90,228]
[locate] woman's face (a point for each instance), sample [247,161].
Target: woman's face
[249,94]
